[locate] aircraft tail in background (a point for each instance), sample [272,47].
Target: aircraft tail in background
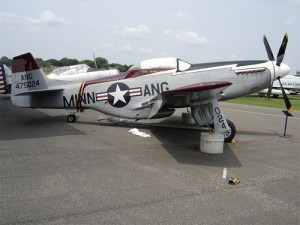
[5,79]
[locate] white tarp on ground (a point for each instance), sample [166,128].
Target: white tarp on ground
[136,131]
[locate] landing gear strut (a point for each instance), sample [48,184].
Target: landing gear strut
[211,115]
[71,118]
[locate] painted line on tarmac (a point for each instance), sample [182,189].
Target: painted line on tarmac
[258,113]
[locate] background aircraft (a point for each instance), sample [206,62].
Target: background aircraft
[81,72]
[5,79]
[290,84]
[153,89]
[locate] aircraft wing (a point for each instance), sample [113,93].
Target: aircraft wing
[202,87]
[185,96]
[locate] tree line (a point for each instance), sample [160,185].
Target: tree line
[54,63]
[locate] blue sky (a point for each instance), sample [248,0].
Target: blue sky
[128,31]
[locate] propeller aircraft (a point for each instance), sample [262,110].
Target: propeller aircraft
[153,89]
[290,83]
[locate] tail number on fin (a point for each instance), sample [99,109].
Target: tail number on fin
[27,82]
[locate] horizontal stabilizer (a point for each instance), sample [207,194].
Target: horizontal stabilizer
[44,91]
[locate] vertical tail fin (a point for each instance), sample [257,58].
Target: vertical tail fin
[32,88]
[27,78]
[27,75]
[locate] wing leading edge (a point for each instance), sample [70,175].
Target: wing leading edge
[184,96]
[202,86]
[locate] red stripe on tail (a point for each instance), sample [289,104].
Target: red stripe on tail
[23,63]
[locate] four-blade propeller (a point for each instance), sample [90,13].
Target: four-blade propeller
[277,67]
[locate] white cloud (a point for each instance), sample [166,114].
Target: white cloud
[187,37]
[12,19]
[49,18]
[45,18]
[141,31]
[8,18]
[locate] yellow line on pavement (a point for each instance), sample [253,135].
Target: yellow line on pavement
[258,113]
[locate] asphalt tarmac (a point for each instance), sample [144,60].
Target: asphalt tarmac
[91,172]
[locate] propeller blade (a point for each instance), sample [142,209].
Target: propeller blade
[286,99]
[269,90]
[281,51]
[268,49]
[271,57]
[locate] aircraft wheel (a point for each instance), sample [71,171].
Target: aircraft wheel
[71,118]
[229,137]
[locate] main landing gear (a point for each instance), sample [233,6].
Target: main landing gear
[71,118]
[230,133]
[211,115]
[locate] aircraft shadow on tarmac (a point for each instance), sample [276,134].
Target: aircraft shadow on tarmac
[183,144]
[18,123]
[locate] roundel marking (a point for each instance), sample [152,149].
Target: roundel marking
[118,95]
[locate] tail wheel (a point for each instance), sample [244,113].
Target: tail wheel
[71,118]
[229,137]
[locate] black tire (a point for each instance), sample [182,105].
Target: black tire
[71,118]
[229,138]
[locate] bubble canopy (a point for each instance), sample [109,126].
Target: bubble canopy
[163,63]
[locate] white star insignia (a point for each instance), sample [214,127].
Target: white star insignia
[118,95]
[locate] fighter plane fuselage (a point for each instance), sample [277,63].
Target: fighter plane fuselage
[130,93]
